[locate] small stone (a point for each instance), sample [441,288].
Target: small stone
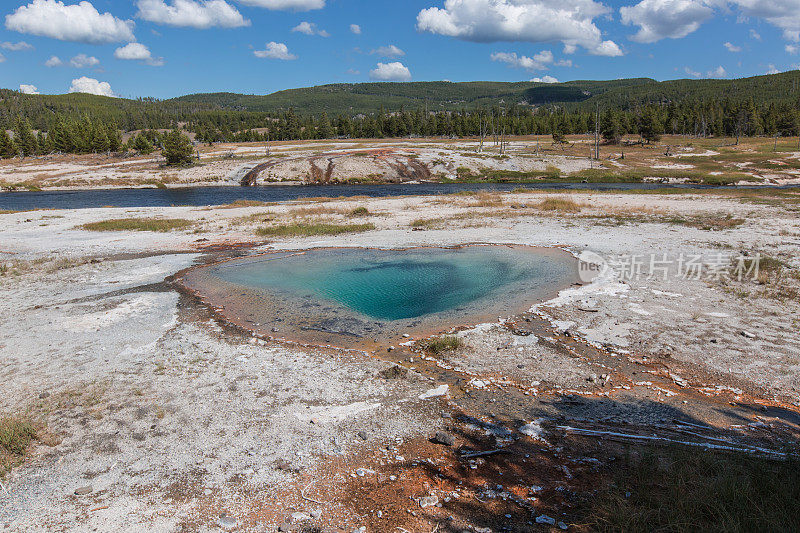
[227,522]
[300,517]
[544,519]
[44,395]
[363,435]
[592,378]
[562,525]
[443,438]
[83,491]
[316,514]
[285,527]
[428,501]
[748,335]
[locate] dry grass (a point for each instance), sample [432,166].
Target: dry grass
[16,434]
[560,205]
[676,490]
[486,199]
[246,203]
[160,225]
[305,229]
[359,212]
[428,223]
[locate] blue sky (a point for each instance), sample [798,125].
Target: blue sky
[166,48]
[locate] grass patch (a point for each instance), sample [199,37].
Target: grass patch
[161,225]
[697,491]
[306,229]
[439,345]
[717,222]
[559,204]
[246,203]
[359,212]
[427,223]
[16,435]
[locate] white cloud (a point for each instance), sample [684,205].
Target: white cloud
[2,58]
[83,61]
[201,15]
[755,35]
[353,72]
[275,51]
[570,22]
[390,72]
[773,69]
[784,14]
[91,86]
[28,89]
[730,47]
[78,23]
[355,29]
[661,19]
[138,52]
[718,72]
[791,49]
[388,51]
[16,47]
[309,28]
[54,61]
[539,61]
[293,5]
[545,79]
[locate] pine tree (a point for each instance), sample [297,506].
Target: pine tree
[177,149]
[7,149]
[24,139]
[142,145]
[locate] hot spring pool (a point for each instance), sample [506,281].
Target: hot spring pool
[341,295]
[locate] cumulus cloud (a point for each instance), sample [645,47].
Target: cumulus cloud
[54,61]
[293,5]
[2,58]
[28,89]
[309,28]
[77,23]
[16,47]
[91,86]
[138,52]
[791,49]
[730,47]
[390,72]
[388,51]
[772,69]
[718,72]
[540,61]
[545,79]
[568,21]
[201,15]
[84,61]
[662,19]
[355,29]
[275,51]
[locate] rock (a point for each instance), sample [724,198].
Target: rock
[562,525]
[227,522]
[44,395]
[363,435]
[748,335]
[592,378]
[361,529]
[285,527]
[316,514]
[83,491]
[428,501]
[544,519]
[300,517]
[443,438]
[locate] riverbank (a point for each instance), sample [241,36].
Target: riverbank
[167,418]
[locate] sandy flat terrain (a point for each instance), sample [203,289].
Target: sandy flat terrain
[166,418]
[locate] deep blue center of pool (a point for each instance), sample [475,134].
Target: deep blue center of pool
[391,285]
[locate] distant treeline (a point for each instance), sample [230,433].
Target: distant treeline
[62,130]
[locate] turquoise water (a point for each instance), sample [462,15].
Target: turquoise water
[393,285]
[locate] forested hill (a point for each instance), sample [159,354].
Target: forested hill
[237,111]
[366,98]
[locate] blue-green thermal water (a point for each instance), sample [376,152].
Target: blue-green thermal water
[391,285]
